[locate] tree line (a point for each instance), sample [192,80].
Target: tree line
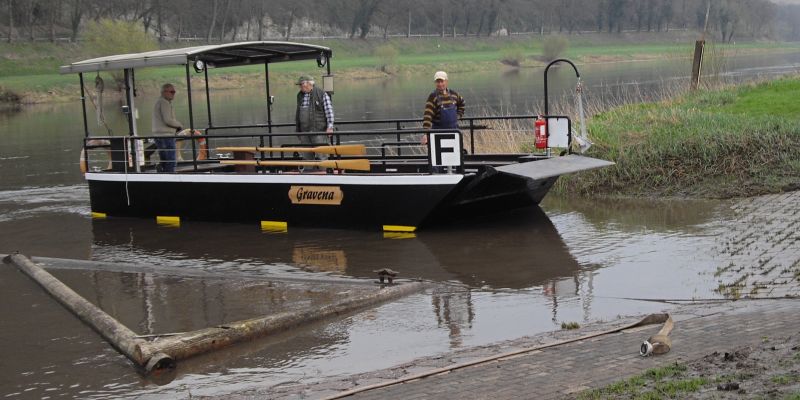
[231,20]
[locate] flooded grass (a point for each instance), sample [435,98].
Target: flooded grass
[570,325]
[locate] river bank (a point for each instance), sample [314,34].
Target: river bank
[28,72]
[735,141]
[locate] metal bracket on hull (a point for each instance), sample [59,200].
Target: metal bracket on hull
[554,167]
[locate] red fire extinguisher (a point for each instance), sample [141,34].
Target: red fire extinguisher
[540,132]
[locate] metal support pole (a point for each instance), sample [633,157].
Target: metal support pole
[472,136]
[269,111]
[269,97]
[83,107]
[328,66]
[546,106]
[130,92]
[208,99]
[191,116]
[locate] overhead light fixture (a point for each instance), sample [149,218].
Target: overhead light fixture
[322,59]
[199,65]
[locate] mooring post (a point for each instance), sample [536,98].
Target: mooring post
[697,62]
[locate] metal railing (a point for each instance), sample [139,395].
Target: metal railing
[468,125]
[399,141]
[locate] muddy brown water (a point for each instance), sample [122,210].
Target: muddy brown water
[526,272]
[506,276]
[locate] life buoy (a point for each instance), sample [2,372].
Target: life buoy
[202,146]
[202,154]
[97,143]
[82,161]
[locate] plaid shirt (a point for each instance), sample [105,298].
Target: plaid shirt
[326,102]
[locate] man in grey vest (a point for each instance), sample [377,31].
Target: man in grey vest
[314,113]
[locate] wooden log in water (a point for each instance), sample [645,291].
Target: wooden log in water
[205,340]
[122,338]
[163,353]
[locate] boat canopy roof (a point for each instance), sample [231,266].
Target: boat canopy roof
[222,55]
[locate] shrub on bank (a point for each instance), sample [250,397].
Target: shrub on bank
[387,58]
[553,47]
[108,37]
[8,97]
[740,141]
[512,55]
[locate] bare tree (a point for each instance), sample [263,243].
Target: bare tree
[494,12]
[214,11]
[287,14]
[261,15]
[231,19]
[761,14]
[224,20]
[53,14]
[615,14]
[159,20]
[384,21]
[666,13]
[10,20]
[362,18]
[32,14]
[76,16]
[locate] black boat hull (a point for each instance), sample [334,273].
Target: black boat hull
[366,202]
[389,202]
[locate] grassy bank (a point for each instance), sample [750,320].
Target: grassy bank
[30,70]
[737,141]
[766,370]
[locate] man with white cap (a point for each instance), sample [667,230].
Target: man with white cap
[444,106]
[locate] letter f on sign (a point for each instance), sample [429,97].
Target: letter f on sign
[445,149]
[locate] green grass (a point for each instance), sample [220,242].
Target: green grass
[668,382]
[738,141]
[33,68]
[784,379]
[570,325]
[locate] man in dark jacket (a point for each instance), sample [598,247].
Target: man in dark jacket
[314,113]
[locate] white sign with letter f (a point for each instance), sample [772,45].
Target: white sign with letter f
[445,149]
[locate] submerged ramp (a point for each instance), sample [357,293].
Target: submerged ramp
[554,167]
[157,352]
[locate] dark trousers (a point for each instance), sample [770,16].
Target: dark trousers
[166,151]
[312,141]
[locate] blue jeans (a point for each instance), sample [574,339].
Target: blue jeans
[166,152]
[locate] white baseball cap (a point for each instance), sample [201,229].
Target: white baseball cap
[440,75]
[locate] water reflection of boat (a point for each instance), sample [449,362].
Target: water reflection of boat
[518,249]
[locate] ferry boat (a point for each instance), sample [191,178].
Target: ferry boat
[374,174]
